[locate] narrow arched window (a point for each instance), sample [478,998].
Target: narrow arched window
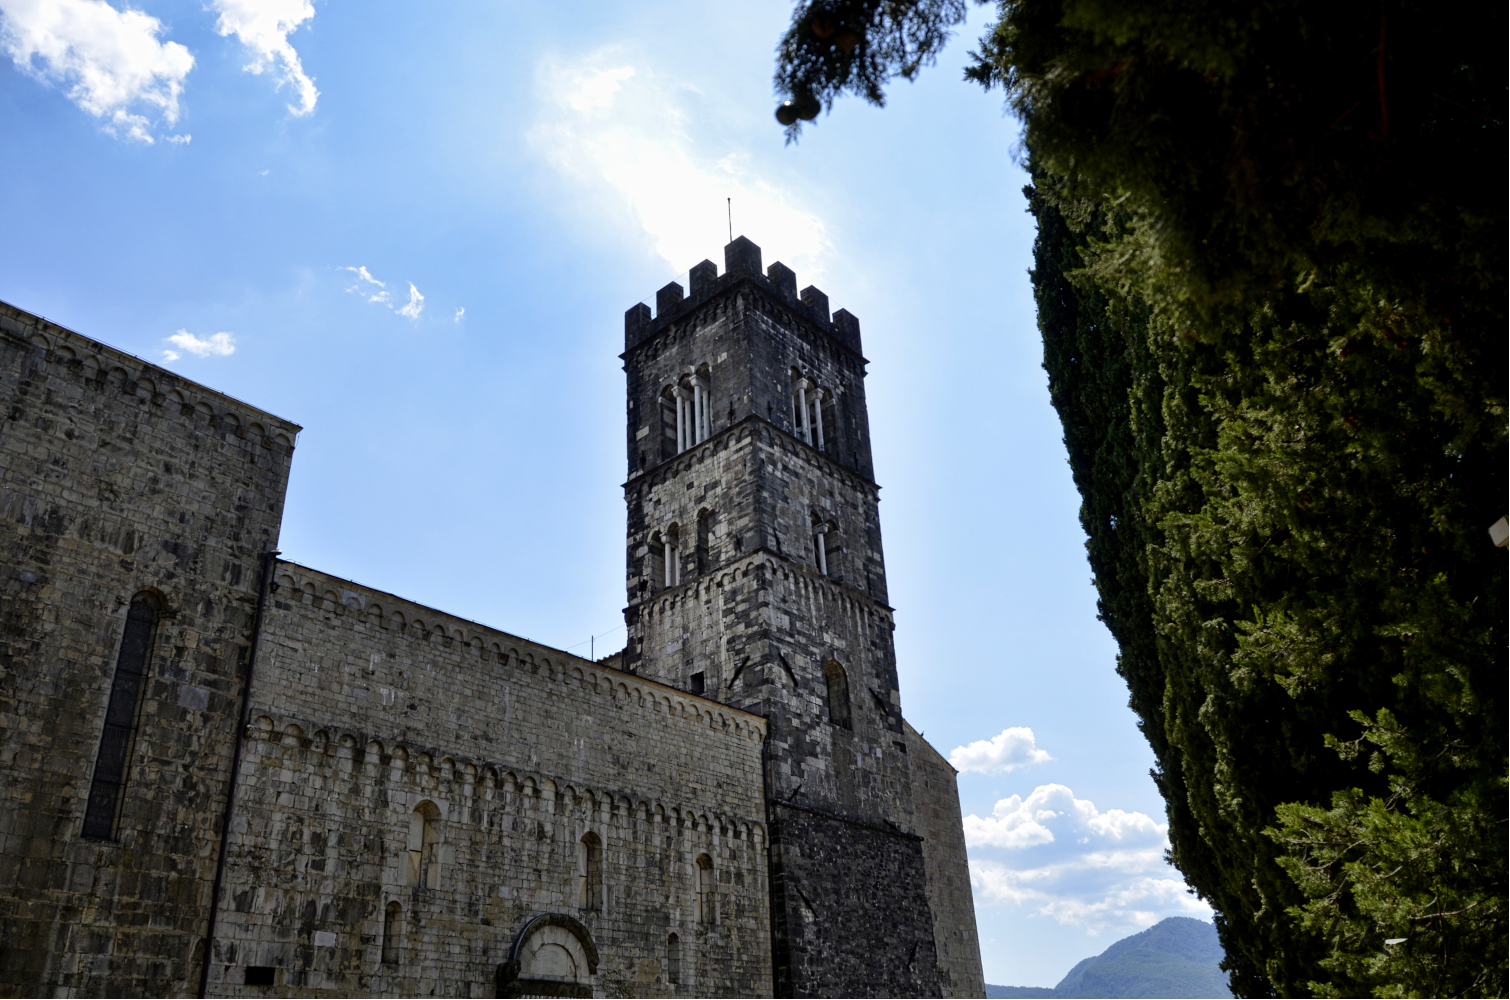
[424,846]
[704,889]
[590,872]
[112,761]
[670,408]
[393,926]
[838,694]
[704,542]
[674,960]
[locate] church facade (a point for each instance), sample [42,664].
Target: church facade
[226,773]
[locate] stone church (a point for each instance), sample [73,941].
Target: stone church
[226,773]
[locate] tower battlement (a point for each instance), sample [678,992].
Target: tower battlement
[742,263]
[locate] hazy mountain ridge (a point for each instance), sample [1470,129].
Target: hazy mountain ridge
[1177,957]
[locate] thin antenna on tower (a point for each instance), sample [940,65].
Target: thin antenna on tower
[731,220]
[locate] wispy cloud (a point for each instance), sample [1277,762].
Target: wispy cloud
[110,60]
[1074,863]
[416,303]
[1007,751]
[376,291]
[215,345]
[263,26]
[624,134]
[460,312]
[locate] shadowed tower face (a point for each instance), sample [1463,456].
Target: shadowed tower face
[756,578]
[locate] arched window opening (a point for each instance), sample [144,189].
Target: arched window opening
[838,694]
[590,872]
[424,846]
[674,960]
[393,926]
[102,812]
[704,542]
[689,407]
[704,889]
[807,411]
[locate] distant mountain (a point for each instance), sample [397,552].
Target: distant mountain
[1177,957]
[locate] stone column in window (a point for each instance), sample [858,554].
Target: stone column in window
[681,424]
[699,402]
[818,414]
[805,431]
[818,533]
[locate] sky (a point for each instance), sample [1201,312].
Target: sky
[414,230]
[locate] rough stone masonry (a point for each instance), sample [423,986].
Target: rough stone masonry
[415,804]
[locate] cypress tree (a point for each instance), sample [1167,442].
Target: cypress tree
[1270,276]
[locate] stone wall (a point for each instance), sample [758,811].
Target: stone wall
[118,478]
[936,812]
[368,707]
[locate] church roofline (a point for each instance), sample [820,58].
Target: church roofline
[14,322]
[741,266]
[389,602]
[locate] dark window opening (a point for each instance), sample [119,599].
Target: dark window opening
[590,873]
[838,694]
[704,542]
[674,960]
[705,901]
[260,975]
[111,762]
[393,926]
[698,682]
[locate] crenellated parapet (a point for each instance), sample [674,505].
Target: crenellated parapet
[674,305]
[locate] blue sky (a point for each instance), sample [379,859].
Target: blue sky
[414,229]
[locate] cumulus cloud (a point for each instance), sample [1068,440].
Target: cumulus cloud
[1076,864]
[416,303]
[111,61]
[215,345]
[623,135]
[1008,750]
[263,26]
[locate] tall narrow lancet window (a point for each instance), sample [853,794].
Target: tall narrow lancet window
[838,694]
[112,760]
[590,872]
[704,541]
[393,926]
[674,960]
[424,846]
[704,889]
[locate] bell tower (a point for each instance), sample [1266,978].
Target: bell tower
[755,577]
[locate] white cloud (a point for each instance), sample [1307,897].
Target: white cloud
[1006,751]
[263,27]
[381,296]
[460,312]
[110,60]
[215,345]
[1074,863]
[622,134]
[416,303]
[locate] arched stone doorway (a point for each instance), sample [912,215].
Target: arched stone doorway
[553,956]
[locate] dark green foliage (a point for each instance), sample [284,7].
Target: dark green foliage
[859,46]
[1271,282]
